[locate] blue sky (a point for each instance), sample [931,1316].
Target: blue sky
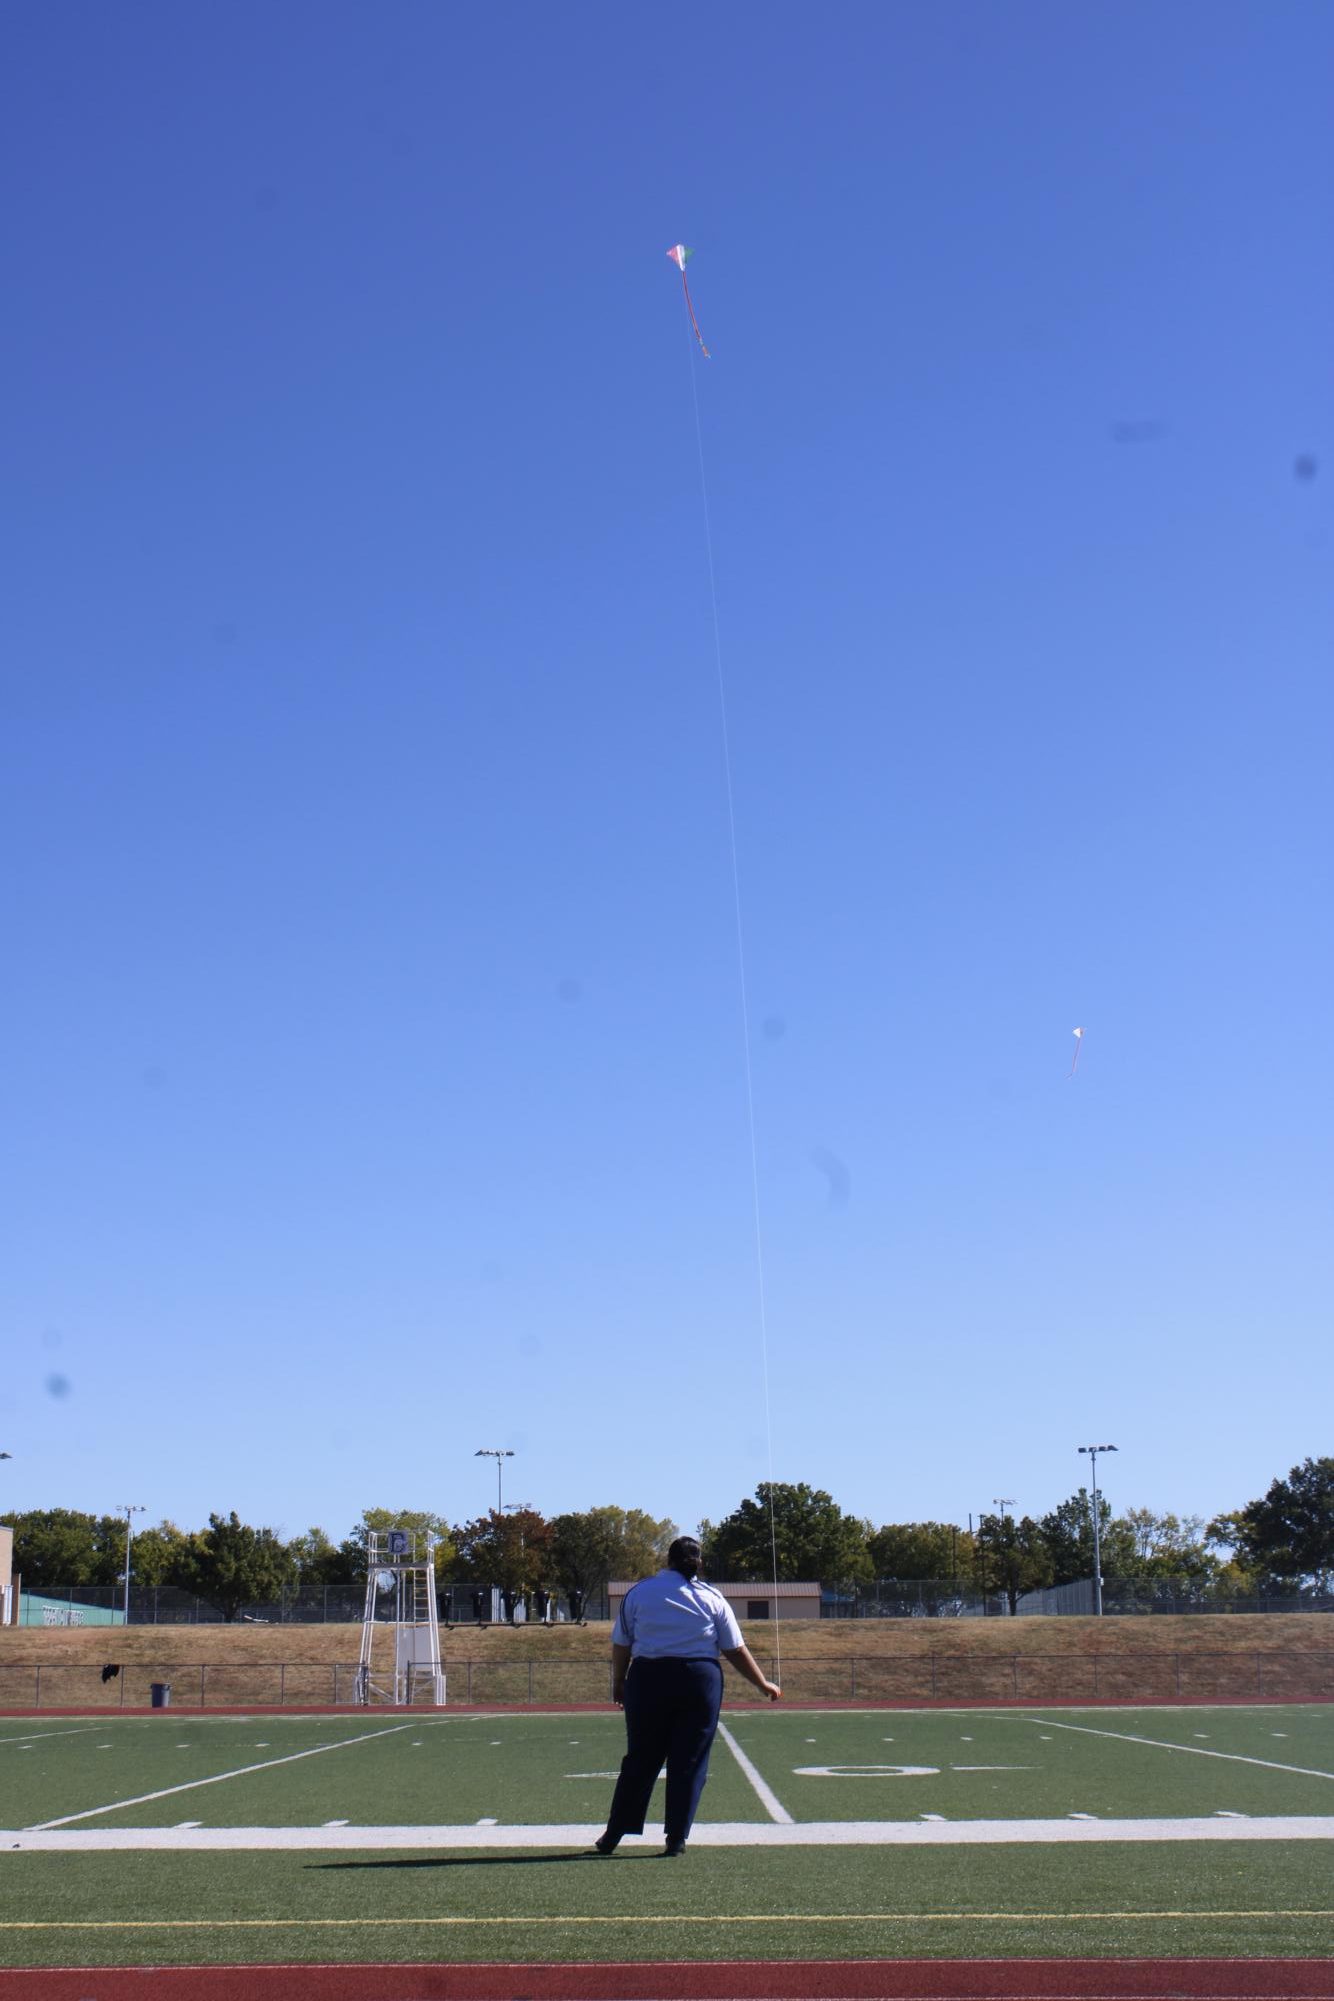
[376,1087]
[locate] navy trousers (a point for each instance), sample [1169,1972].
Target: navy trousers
[671,1714]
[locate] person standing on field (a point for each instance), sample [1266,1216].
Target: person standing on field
[667,1675]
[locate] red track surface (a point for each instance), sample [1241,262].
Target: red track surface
[700,1980]
[100,1710]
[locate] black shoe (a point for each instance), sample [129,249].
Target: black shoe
[606,1844]
[675,1848]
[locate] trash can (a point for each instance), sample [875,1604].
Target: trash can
[160,1691]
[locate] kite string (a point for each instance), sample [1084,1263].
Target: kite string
[745,1003]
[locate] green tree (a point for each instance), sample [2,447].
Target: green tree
[1289,1533]
[811,1537]
[513,1551]
[1011,1557]
[55,1546]
[1162,1545]
[932,1551]
[235,1565]
[160,1555]
[415,1521]
[592,1547]
[1229,1575]
[321,1564]
[1068,1535]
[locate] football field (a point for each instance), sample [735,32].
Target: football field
[439,1836]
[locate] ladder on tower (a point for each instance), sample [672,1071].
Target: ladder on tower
[400,1593]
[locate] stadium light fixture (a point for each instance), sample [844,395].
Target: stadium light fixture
[500,1454]
[1093,1451]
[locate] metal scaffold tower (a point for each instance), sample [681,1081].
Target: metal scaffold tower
[400,1592]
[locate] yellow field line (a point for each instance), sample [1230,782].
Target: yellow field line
[635,1918]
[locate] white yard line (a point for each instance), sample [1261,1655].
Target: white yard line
[716,1834]
[765,1793]
[241,1772]
[37,1736]
[1196,1750]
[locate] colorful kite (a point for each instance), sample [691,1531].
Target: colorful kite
[679,255]
[1078,1034]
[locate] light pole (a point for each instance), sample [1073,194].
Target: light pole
[4,1588]
[129,1510]
[1093,1451]
[500,1454]
[1004,1501]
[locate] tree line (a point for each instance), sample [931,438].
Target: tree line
[1281,1541]
[231,1563]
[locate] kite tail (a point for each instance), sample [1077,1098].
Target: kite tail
[690,308]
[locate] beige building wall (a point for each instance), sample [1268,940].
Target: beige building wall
[9,1610]
[751,1601]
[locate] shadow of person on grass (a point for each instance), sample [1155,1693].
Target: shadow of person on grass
[482,1861]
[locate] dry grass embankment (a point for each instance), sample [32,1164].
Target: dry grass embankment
[910,1660]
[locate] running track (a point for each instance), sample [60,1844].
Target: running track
[694,1980]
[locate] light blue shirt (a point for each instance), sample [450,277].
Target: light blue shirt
[670,1617]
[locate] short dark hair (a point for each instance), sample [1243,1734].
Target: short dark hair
[685,1555]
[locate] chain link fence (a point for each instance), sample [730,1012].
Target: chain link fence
[939,1676]
[1128,1597]
[887,1598]
[941,1598]
[310,1605]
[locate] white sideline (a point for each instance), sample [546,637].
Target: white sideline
[719,1834]
[764,1792]
[216,1779]
[37,1736]
[1161,1744]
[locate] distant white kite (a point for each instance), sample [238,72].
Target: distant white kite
[1078,1034]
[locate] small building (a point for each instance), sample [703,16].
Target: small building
[7,1606]
[749,1601]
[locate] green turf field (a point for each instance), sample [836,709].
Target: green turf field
[849,1833]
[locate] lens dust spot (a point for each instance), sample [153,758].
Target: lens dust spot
[58,1385]
[837,1176]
